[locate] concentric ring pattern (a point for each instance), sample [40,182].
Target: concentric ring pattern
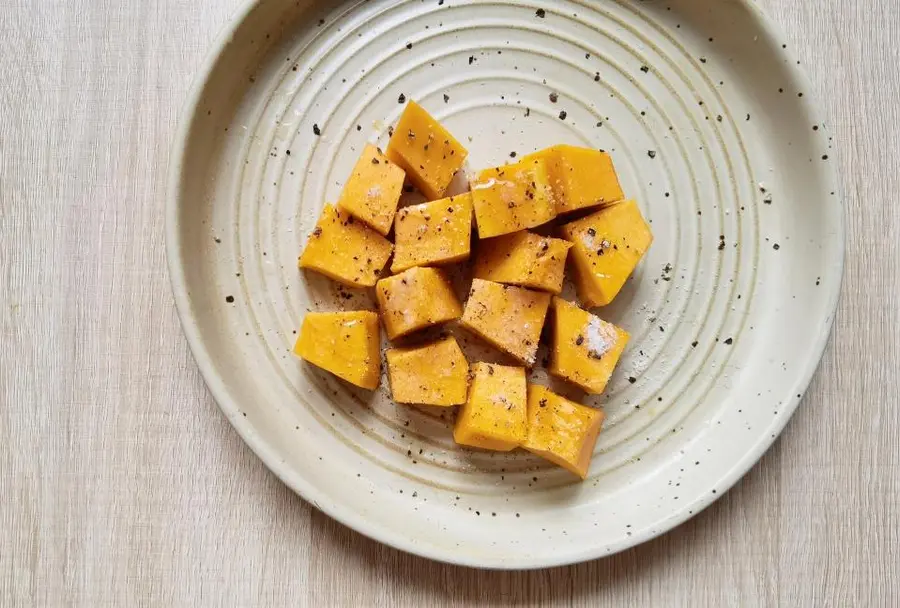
[706,373]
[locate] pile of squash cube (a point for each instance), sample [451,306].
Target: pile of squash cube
[518,276]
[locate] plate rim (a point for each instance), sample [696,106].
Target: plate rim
[189,115]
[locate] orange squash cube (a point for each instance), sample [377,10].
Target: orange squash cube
[434,233]
[585,349]
[414,300]
[345,250]
[608,245]
[512,198]
[562,431]
[431,374]
[509,318]
[373,190]
[523,259]
[347,344]
[581,177]
[495,415]
[426,151]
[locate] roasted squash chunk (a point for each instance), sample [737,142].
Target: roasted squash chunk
[512,198]
[414,300]
[585,349]
[608,245]
[345,250]
[347,344]
[523,259]
[434,233]
[510,318]
[426,151]
[562,431]
[494,416]
[431,374]
[581,177]
[373,190]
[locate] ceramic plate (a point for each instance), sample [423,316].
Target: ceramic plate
[706,115]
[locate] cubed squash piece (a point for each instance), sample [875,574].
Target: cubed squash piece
[608,245]
[416,299]
[510,318]
[373,190]
[426,151]
[581,177]
[562,431]
[585,349]
[524,259]
[512,198]
[347,344]
[345,250]
[433,233]
[431,374]
[494,417]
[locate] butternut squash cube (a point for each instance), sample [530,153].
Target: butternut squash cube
[512,198]
[585,349]
[414,300]
[523,259]
[426,151]
[581,177]
[608,246]
[562,431]
[373,190]
[510,318]
[347,344]
[433,233]
[432,374]
[495,415]
[345,250]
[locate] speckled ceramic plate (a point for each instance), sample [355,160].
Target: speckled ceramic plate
[704,111]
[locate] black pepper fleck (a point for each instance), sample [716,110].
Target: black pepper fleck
[316,130]
[229,299]
[540,13]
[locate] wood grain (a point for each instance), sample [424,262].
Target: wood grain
[122,484]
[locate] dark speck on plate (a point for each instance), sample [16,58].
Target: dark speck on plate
[562,115]
[540,13]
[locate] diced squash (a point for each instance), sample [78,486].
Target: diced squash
[562,431]
[347,344]
[512,198]
[510,318]
[434,233]
[581,177]
[426,151]
[585,349]
[373,190]
[432,374]
[345,250]
[523,259]
[608,245]
[494,416]
[414,300]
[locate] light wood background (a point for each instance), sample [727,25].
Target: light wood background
[122,484]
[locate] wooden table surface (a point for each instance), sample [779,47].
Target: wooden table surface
[122,484]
